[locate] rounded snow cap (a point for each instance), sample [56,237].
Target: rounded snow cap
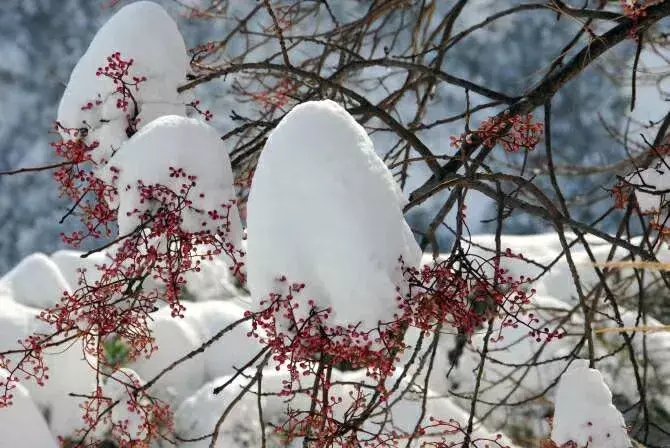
[41,294]
[584,411]
[174,142]
[324,210]
[144,33]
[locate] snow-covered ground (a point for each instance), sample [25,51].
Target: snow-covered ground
[189,388]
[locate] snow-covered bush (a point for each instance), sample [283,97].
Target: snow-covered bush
[584,414]
[338,291]
[165,153]
[308,186]
[128,77]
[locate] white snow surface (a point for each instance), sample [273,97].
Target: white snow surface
[544,249]
[407,412]
[22,424]
[652,185]
[115,389]
[319,182]
[584,411]
[70,263]
[69,371]
[552,303]
[178,142]
[142,31]
[199,413]
[230,352]
[36,282]
[500,380]
[214,280]
[657,346]
[174,338]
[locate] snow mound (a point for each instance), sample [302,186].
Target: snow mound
[70,263]
[115,389]
[235,348]
[69,370]
[5,292]
[22,424]
[532,252]
[408,411]
[319,182]
[551,305]
[501,380]
[174,338]
[198,414]
[584,411]
[36,281]
[144,32]
[177,142]
[214,281]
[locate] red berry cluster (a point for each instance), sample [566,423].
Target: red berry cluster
[78,182]
[635,10]
[118,70]
[277,97]
[513,132]
[22,364]
[310,347]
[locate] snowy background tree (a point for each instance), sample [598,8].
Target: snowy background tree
[275,207]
